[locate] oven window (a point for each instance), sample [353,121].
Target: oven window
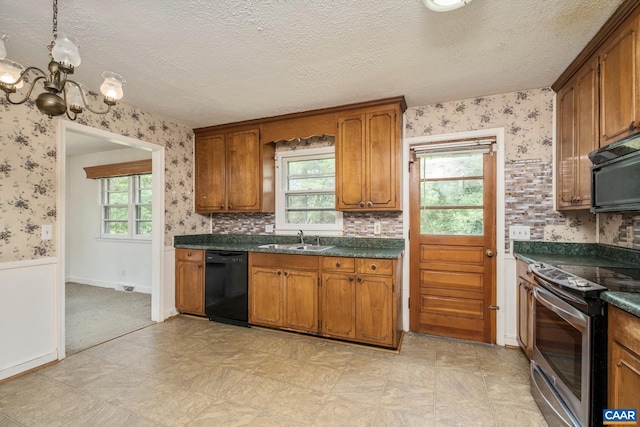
[561,346]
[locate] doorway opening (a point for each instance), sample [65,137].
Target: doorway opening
[107,286]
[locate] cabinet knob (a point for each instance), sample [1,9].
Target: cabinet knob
[279,273]
[230,207]
[361,204]
[200,265]
[359,279]
[350,279]
[632,126]
[189,254]
[221,206]
[369,204]
[373,266]
[337,264]
[286,274]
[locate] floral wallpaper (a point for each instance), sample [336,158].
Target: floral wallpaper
[28,173]
[527,117]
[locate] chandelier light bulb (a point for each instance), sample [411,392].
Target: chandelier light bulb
[111,88]
[74,97]
[65,50]
[10,73]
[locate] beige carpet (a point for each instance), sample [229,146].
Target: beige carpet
[95,315]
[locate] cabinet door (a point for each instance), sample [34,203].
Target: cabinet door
[374,309]
[620,84]
[338,305]
[381,158]
[265,297]
[244,176]
[301,300]
[189,281]
[624,360]
[210,173]
[565,146]
[525,320]
[577,137]
[349,162]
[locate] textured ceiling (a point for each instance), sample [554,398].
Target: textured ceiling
[204,62]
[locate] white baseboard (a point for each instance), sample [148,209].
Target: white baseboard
[511,341]
[18,369]
[170,313]
[118,286]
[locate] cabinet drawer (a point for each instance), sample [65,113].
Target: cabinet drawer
[338,264]
[523,271]
[195,255]
[383,267]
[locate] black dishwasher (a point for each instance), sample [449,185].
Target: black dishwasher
[225,287]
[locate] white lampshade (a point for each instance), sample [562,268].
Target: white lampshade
[10,72]
[444,5]
[112,86]
[3,49]
[74,97]
[65,50]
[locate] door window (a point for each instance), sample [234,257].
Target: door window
[451,194]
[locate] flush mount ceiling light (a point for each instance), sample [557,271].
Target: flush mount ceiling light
[444,5]
[61,94]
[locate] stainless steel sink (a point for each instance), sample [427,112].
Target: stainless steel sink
[274,246]
[310,247]
[296,247]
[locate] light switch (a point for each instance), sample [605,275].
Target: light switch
[47,232]
[519,232]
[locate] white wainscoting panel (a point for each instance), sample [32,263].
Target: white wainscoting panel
[28,315]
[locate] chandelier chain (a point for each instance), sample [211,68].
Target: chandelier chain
[55,17]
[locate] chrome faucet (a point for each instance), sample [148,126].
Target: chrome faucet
[317,240]
[301,236]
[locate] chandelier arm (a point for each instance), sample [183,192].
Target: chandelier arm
[75,116]
[24,73]
[33,83]
[84,100]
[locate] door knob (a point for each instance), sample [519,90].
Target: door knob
[489,253]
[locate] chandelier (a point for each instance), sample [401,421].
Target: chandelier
[61,94]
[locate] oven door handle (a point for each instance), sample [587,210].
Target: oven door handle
[558,306]
[550,287]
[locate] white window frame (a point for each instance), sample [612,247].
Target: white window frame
[131,206]
[282,157]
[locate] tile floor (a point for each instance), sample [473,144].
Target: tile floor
[193,372]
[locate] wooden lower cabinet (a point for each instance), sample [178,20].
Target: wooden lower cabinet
[355,299]
[375,310]
[624,360]
[338,305]
[526,303]
[190,281]
[283,291]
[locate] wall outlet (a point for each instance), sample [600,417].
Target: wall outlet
[377,227]
[47,232]
[268,228]
[519,232]
[630,236]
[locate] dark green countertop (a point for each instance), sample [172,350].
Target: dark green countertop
[358,247]
[588,254]
[623,300]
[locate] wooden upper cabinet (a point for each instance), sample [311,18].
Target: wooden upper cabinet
[368,153]
[210,174]
[230,169]
[620,83]
[244,177]
[577,136]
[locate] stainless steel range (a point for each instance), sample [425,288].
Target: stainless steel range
[569,362]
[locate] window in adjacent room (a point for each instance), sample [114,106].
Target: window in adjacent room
[305,195]
[126,207]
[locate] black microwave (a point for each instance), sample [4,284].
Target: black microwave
[615,177]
